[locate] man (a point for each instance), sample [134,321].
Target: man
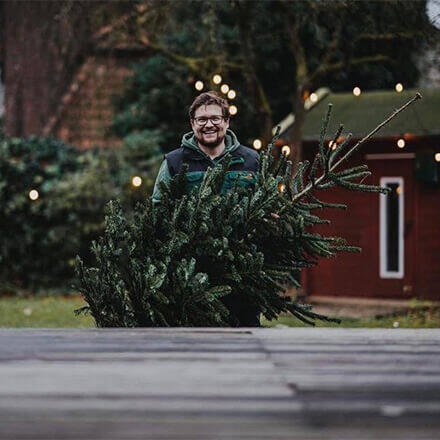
[205,146]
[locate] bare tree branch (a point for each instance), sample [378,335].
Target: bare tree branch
[389,36]
[196,65]
[324,69]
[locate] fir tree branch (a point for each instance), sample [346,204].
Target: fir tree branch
[320,180]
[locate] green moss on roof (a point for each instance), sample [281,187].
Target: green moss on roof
[361,114]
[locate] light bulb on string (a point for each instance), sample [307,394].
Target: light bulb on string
[233,110]
[356,91]
[332,145]
[401,143]
[314,97]
[136,181]
[285,150]
[224,88]
[437,157]
[231,94]
[198,85]
[399,87]
[216,79]
[33,194]
[257,144]
[281,187]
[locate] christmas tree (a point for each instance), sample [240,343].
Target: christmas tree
[207,258]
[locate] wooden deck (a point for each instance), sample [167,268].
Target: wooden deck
[310,383]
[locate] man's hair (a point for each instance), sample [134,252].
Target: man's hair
[207,98]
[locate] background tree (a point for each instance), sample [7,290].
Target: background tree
[273,53]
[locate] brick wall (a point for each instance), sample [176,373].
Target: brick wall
[87,111]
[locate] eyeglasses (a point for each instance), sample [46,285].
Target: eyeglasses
[216,120]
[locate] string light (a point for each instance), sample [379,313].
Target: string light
[233,110]
[33,194]
[437,157]
[281,187]
[399,190]
[231,94]
[401,143]
[399,87]
[332,145]
[285,150]
[217,79]
[356,91]
[257,144]
[198,85]
[313,97]
[136,181]
[224,88]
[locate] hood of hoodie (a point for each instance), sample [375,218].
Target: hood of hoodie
[189,140]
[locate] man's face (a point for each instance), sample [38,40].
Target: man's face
[209,135]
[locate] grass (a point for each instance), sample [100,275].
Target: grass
[49,311]
[57,311]
[413,318]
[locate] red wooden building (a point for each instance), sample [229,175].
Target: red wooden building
[399,233]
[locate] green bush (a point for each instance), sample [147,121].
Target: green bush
[29,245]
[40,238]
[152,99]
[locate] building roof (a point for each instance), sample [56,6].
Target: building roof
[360,115]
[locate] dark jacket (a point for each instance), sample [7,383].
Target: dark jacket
[243,166]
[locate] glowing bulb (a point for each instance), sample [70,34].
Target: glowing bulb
[285,150]
[332,145]
[198,85]
[224,88]
[233,110]
[356,91]
[231,94]
[314,97]
[217,79]
[257,144]
[437,157]
[281,187]
[136,181]
[399,87]
[398,190]
[401,143]
[33,194]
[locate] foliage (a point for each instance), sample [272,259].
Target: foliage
[149,103]
[40,238]
[271,53]
[203,258]
[28,235]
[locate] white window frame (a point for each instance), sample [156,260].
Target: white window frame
[384,272]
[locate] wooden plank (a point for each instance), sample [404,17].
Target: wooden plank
[304,383]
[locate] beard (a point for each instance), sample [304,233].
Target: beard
[210,141]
